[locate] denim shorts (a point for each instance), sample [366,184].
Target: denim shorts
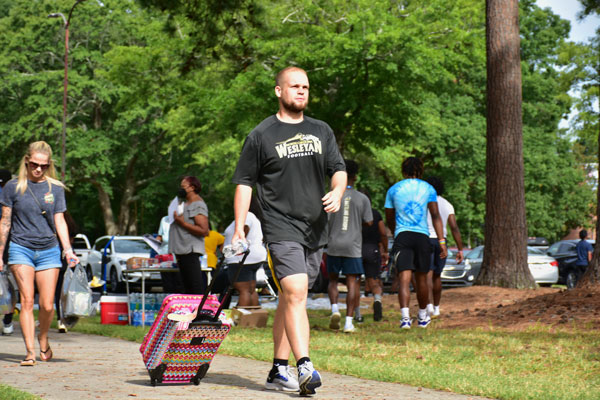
[38,259]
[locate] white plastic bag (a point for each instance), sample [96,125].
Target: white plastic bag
[78,295]
[5,294]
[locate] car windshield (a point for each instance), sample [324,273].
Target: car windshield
[131,246]
[79,243]
[534,251]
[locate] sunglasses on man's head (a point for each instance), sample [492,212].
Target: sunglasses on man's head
[34,165]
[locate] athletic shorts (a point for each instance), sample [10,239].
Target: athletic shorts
[412,251]
[247,274]
[292,258]
[371,259]
[40,260]
[437,263]
[344,265]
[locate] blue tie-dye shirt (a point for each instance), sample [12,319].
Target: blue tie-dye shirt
[409,199]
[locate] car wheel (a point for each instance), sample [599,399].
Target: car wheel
[571,280]
[115,285]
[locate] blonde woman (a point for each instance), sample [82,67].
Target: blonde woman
[33,207]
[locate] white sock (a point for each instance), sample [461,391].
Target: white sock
[377,297]
[348,322]
[422,313]
[405,312]
[436,309]
[429,309]
[334,308]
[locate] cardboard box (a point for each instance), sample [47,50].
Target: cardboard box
[113,310]
[255,316]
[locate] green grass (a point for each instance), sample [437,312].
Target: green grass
[535,364]
[10,393]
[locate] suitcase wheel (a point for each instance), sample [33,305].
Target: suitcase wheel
[153,381]
[196,380]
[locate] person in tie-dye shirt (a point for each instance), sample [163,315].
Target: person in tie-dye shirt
[406,205]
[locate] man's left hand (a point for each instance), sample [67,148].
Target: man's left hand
[331,201]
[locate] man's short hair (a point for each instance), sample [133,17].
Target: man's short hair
[437,184]
[582,234]
[283,72]
[412,166]
[351,168]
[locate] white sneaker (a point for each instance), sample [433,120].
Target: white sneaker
[61,327]
[349,329]
[405,323]
[309,378]
[8,329]
[334,320]
[283,380]
[436,313]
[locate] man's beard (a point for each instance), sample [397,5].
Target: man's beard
[293,107]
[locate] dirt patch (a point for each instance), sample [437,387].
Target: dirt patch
[514,309]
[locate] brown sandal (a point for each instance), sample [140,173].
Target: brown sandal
[44,356]
[28,362]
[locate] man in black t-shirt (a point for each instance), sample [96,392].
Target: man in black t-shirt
[288,157]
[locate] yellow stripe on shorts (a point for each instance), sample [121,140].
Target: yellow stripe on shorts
[270,261]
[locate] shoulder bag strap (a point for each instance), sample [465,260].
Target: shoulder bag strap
[44,213]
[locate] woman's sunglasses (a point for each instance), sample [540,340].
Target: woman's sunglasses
[34,165]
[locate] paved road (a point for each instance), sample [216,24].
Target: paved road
[95,367]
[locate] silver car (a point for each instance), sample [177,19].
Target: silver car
[465,273]
[543,268]
[120,249]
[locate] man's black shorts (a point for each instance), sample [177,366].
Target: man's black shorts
[412,251]
[437,263]
[371,260]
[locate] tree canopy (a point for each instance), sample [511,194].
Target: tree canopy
[160,89]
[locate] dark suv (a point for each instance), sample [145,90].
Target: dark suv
[565,253]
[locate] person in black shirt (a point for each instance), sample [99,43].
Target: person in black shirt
[288,157]
[374,255]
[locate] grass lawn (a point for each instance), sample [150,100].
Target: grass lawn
[535,364]
[10,393]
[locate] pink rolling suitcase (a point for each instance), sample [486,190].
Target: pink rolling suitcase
[185,337]
[175,351]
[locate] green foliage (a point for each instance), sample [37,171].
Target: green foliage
[160,89]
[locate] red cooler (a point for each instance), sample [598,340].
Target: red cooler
[113,310]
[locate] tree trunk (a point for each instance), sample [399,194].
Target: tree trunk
[128,196]
[106,208]
[505,256]
[592,274]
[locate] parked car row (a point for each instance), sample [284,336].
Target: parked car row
[554,264]
[543,268]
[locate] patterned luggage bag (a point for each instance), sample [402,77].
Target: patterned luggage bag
[181,352]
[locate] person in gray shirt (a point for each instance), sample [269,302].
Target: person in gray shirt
[344,249]
[33,208]
[186,235]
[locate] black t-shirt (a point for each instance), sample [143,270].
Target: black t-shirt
[289,163]
[370,234]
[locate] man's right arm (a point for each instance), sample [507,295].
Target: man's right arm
[241,204]
[5,223]
[390,219]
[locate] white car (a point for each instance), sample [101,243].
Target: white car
[118,251]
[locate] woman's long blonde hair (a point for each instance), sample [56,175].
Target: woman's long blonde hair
[50,173]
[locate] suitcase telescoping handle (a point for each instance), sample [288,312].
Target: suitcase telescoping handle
[199,316]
